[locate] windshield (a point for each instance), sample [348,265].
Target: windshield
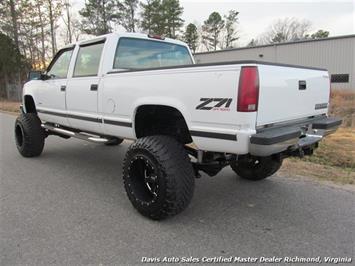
[132,53]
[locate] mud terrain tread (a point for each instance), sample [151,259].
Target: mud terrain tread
[33,135]
[176,170]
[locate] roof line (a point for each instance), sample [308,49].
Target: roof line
[283,43]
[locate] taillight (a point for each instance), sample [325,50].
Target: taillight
[248,92]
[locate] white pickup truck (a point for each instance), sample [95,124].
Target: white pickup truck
[185,118]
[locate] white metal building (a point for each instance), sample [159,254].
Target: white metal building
[337,54]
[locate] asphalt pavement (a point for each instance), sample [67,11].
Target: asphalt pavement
[68,207]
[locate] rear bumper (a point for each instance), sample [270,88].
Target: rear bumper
[292,137]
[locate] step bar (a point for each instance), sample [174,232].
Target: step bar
[79,135]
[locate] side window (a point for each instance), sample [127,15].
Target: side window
[59,67]
[88,60]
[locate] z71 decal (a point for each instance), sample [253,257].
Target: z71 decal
[215,104]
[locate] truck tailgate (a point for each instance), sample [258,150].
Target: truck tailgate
[288,93]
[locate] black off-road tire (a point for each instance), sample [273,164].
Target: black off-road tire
[114,142]
[174,176]
[256,168]
[29,135]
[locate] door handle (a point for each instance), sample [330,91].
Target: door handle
[302,85]
[93,87]
[63,87]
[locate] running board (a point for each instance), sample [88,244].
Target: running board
[69,133]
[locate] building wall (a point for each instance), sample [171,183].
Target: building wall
[335,54]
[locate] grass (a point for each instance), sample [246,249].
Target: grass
[9,106]
[295,167]
[342,104]
[334,160]
[337,149]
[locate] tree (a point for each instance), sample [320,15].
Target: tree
[11,63]
[162,17]
[191,36]
[27,23]
[212,28]
[320,34]
[14,23]
[42,25]
[252,43]
[284,30]
[54,10]
[72,24]
[172,12]
[127,16]
[68,22]
[152,19]
[230,31]
[33,32]
[9,20]
[98,16]
[279,37]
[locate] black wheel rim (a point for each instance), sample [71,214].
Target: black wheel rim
[19,135]
[144,178]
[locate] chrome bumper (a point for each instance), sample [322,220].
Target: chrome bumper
[292,137]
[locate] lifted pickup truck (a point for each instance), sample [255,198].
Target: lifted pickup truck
[185,118]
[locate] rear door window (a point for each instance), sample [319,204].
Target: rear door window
[88,60]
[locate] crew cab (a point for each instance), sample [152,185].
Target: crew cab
[184,117]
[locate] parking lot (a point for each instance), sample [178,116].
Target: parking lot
[69,207]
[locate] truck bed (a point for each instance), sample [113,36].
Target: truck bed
[286,93]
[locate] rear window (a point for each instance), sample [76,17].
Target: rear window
[134,53]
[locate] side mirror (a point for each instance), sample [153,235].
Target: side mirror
[34,75]
[44,76]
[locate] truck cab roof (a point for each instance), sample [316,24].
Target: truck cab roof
[128,35]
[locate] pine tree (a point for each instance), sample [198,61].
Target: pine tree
[98,16]
[127,15]
[191,36]
[11,64]
[68,22]
[152,19]
[320,34]
[53,12]
[162,17]
[72,29]
[230,31]
[42,25]
[14,23]
[212,28]
[28,31]
[172,12]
